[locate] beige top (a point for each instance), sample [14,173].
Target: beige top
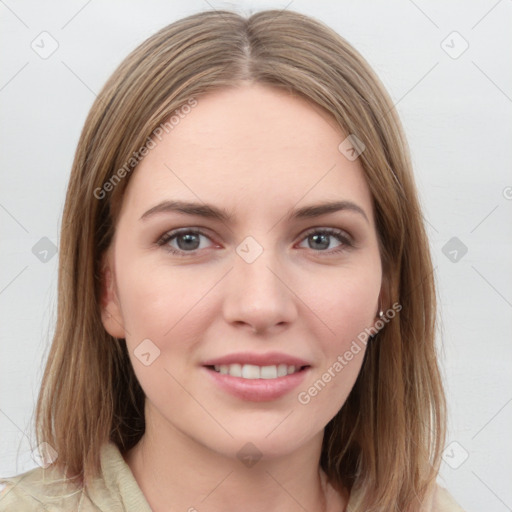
[115,490]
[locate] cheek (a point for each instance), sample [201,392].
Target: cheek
[157,303]
[345,302]
[345,306]
[156,299]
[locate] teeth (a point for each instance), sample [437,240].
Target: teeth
[268,372]
[251,371]
[235,370]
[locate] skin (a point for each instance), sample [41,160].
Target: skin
[259,153]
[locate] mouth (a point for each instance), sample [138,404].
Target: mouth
[253,383]
[254,372]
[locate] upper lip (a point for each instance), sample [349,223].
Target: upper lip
[267,359]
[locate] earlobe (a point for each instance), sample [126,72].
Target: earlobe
[111,314]
[383,305]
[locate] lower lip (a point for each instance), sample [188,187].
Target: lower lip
[257,390]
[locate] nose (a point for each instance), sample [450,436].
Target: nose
[258,295]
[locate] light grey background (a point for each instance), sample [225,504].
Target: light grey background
[457,112]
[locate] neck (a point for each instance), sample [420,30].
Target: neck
[175,472]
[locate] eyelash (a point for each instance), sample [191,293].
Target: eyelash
[336,233]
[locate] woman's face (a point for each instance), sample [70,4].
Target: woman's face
[254,293]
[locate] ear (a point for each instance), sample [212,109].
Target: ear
[383,302]
[385,293]
[111,314]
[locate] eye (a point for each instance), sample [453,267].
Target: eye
[188,241]
[320,240]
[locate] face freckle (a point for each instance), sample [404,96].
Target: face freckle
[256,283]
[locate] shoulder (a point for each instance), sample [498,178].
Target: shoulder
[443,501]
[48,490]
[438,500]
[39,490]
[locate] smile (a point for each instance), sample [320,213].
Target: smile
[257,383]
[252,371]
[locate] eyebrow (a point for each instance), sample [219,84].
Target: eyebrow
[212,212]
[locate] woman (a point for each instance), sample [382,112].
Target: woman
[286,359]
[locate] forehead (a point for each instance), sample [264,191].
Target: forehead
[252,148]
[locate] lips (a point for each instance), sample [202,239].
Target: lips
[250,376]
[267,359]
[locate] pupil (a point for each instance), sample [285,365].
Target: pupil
[189,238]
[324,245]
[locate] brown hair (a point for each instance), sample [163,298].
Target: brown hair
[387,438]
